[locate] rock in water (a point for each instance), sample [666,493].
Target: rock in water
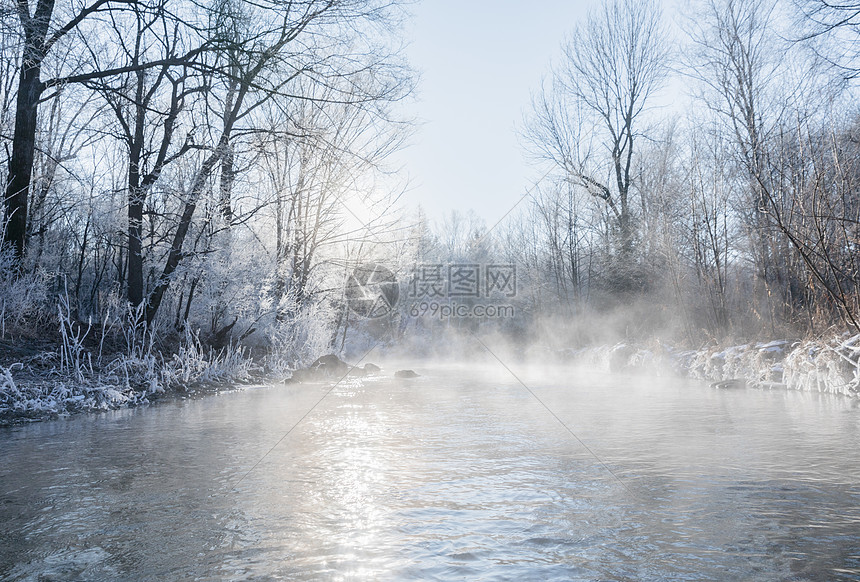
[372,368]
[405,374]
[330,364]
[300,375]
[324,368]
[727,384]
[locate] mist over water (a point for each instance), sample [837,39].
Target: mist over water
[461,473]
[222,201]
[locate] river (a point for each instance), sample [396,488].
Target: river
[461,474]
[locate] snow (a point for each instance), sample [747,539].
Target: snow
[122,382]
[819,365]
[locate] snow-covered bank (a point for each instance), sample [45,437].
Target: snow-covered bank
[49,384]
[817,365]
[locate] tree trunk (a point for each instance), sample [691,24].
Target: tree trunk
[21,162]
[228,176]
[135,252]
[228,171]
[175,254]
[136,198]
[30,89]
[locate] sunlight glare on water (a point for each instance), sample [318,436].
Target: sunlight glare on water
[458,474]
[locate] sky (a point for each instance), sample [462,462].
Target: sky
[479,62]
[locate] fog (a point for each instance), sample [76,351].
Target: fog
[254,355]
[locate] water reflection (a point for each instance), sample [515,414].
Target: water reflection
[457,475]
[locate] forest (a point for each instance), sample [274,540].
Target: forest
[190,186]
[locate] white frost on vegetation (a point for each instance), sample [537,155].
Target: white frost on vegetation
[75,384]
[825,367]
[818,365]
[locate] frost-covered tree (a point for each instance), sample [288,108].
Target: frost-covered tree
[590,119]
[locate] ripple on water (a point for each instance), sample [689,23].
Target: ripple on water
[461,477]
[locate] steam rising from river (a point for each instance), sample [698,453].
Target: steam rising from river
[461,473]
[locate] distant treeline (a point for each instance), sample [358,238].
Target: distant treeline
[221,167]
[698,184]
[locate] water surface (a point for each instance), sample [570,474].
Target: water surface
[461,474]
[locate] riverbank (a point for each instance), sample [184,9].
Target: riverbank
[40,383]
[830,365]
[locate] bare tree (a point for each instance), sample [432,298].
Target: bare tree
[320,42]
[146,105]
[590,121]
[813,202]
[707,237]
[40,34]
[737,60]
[834,26]
[767,113]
